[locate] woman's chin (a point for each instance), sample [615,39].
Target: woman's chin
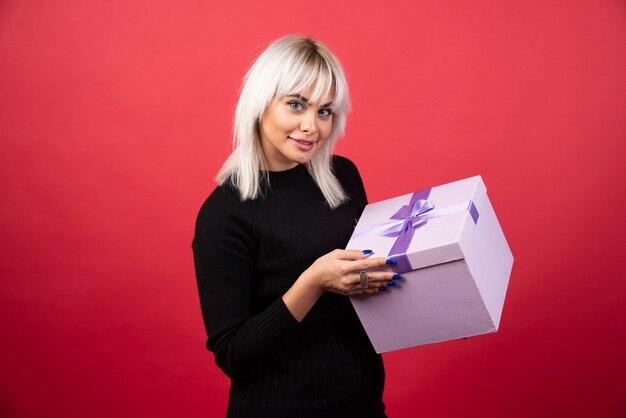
[302,157]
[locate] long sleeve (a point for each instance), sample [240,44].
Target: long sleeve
[224,253]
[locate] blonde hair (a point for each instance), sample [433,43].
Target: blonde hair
[290,64]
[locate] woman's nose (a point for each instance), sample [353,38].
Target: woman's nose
[309,123]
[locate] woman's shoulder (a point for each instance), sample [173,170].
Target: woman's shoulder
[343,166]
[224,223]
[223,205]
[350,179]
[345,170]
[339,161]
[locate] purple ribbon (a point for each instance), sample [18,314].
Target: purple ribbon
[415,215]
[410,214]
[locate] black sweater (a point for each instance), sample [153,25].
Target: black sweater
[247,255]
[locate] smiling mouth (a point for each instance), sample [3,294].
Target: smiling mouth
[303,144]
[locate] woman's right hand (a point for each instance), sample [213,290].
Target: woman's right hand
[339,272]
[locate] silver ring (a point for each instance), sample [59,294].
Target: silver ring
[363,281]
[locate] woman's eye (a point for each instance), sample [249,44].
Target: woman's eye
[326,112]
[295,105]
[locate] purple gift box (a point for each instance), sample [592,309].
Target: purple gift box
[455,261]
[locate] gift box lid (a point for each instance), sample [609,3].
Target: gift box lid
[424,228]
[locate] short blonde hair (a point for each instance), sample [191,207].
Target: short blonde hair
[288,65]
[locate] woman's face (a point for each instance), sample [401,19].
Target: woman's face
[292,129]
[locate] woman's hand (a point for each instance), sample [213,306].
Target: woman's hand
[340,272]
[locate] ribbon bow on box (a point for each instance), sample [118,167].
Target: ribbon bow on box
[411,217]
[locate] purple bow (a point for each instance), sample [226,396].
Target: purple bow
[410,214]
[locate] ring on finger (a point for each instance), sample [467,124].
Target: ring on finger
[363,279]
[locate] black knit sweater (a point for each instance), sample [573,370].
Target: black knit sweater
[247,255]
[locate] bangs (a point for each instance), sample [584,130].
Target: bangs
[310,74]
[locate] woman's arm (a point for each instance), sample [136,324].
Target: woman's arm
[224,252]
[336,272]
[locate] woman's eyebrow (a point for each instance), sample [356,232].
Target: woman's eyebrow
[305,100]
[299,96]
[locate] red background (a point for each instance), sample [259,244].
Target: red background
[115,116]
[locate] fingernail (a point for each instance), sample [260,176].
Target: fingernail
[382,289]
[396,276]
[392,284]
[367,251]
[390,261]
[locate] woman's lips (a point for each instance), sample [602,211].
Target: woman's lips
[302,144]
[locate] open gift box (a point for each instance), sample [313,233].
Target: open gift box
[453,256]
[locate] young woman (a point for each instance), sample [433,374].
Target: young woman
[272,279]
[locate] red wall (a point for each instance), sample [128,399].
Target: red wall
[115,116]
